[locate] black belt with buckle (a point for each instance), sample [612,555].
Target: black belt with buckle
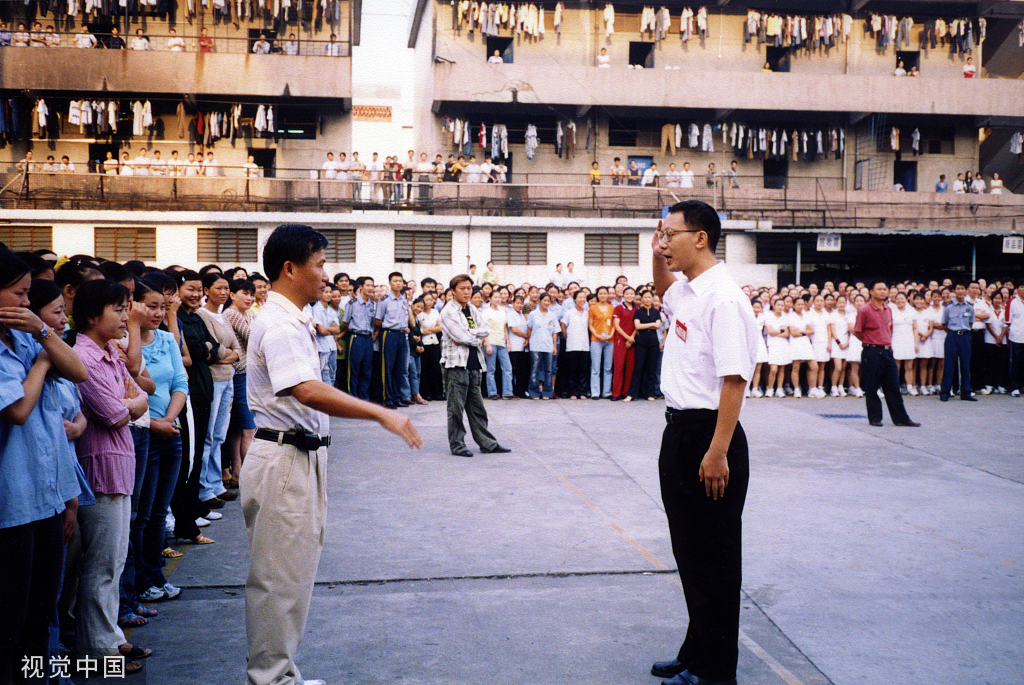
[963,332]
[308,442]
[878,347]
[680,416]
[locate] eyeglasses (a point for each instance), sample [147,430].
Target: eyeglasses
[665,236]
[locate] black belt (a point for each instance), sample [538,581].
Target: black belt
[966,332]
[395,330]
[680,416]
[364,335]
[304,441]
[879,347]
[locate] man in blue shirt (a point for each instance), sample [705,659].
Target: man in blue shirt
[325,319]
[957,319]
[359,322]
[941,186]
[393,321]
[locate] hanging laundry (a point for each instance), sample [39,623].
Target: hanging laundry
[609,20]
[531,141]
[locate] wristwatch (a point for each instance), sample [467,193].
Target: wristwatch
[43,333]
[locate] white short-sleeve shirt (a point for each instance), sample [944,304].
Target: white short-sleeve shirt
[712,334]
[282,353]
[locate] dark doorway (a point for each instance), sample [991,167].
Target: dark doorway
[98,153]
[777,58]
[641,54]
[909,59]
[502,45]
[254,35]
[265,160]
[776,173]
[905,174]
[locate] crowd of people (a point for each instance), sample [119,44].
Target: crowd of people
[125,420]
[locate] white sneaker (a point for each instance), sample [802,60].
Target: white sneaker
[756,392]
[912,391]
[925,390]
[842,391]
[1015,393]
[202,523]
[169,522]
[881,395]
[214,516]
[856,392]
[821,392]
[1000,390]
[835,391]
[153,594]
[797,394]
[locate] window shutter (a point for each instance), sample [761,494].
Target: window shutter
[124,243]
[423,247]
[227,245]
[27,238]
[341,245]
[611,249]
[519,248]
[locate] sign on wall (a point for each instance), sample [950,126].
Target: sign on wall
[1013,244]
[830,242]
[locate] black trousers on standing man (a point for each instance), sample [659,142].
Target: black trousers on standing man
[878,369]
[706,539]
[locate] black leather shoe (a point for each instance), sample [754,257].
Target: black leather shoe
[228,496]
[667,669]
[910,424]
[968,398]
[876,424]
[687,678]
[498,449]
[944,398]
[214,503]
[463,453]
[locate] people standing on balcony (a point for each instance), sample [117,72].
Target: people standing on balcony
[141,164]
[205,42]
[140,42]
[710,176]
[262,46]
[978,184]
[633,177]
[175,43]
[66,165]
[329,169]
[356,169]
[651,177]
[996,184]
[115,41]
[913,73]
[333,47]
[603,60]
[5,35]
[473,170]
[617,173]
[495,58]
[941,186]
[959,187]
[21,38]
[158,167]
[686,176]
[968,182]
[899,71]
[37,39]
[84,40]
[192,166]
[969,69]
[126,165]
[50,166]
[175,165]
[595,174]
[212,167]
[251,168]
[51,39]
[291,46]
[734,175]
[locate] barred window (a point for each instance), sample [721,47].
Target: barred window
[27,238]
[519,248]
[227,245]
[423,247]
[341,244]
[123,243]
[611,249]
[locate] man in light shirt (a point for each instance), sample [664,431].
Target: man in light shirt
[85,40]
[175,43]
[158,167]
[192,167]
[651,176]
[175,165]
[291,46]
[52,39]
[672,176]
[66,165]
[142,163]
[333,47]
[329,169]
[251,168]
[50,166]
[140,42]
[212,167]
[686,176]
[472,171]
[262,46]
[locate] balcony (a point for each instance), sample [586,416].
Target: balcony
[226,72]
[562,84]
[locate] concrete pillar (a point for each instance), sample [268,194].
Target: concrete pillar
[740,248]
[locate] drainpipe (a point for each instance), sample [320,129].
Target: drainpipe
[799,259]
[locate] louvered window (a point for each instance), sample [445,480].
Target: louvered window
[341,245]
[27,238]
[519,248]
[227,245]
[611,249]
[423,247]
[123,243]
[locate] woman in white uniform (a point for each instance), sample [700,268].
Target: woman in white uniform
[938,343]
[762,348]
[854,350]
[904,343]
[840,342]
[776,325]
[821,343]
[800,330]
[923,327]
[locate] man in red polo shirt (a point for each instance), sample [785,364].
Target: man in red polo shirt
[877,366]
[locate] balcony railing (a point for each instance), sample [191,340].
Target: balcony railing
[218,44]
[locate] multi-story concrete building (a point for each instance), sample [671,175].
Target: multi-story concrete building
[666,84]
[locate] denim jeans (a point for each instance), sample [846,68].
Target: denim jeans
[211,480]
[540,372]
[499,358]
[149,526]
[414,374]
[601,368]
[328,366]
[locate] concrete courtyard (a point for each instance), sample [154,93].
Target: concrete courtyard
[871,555]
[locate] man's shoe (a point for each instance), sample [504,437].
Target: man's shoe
[463,453]
[667,669]
[909,424]
[214,502]
[687,678]
[944,398]
[229,496]
[214,516]
[498,449]
[876,424]
[968,398]
[171,591]
[1015,393]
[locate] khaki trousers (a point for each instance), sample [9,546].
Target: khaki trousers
[284,500]
[668,138]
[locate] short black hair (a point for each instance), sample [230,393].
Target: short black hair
[294,243]
[136,267]
[257,276]
[41,293]
[95,296]
[396,273]
[702,216]
[461,278]
[427,281]
[338,276]
[361,281]
[876,281]
[183,277]
[243,284]
[37,264]
[116,272]
[158,280]
[210,267]
[75,272]
[211,277]
[959,281]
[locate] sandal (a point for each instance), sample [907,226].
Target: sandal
[132,620]
[145,612]
[134,652]
[202,540]
[132,667]
[171,553]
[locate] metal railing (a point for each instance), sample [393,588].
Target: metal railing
[191,38]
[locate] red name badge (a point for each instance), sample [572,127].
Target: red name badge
[681,330]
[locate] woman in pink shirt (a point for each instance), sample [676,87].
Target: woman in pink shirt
[106,451]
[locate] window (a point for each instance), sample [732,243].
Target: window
[777,58]
[27,238]
[502,45]
[519,248]
[909,59]
[641,54]
[227,245]
[341,245]
[423,247]
[611,249]
[122,243]
[622,133]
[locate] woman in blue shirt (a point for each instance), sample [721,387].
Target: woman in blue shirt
[37,475]
[544,326]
